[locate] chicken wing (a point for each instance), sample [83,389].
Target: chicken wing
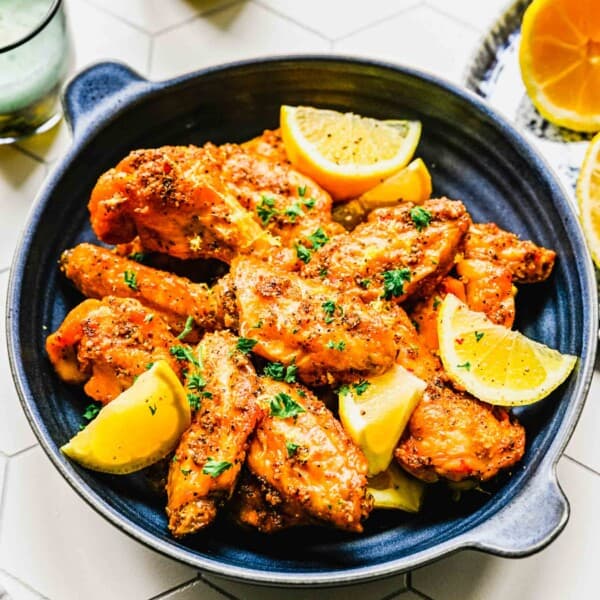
[331,336]
[210,455]
[397,253]
[107,344]
[302,452]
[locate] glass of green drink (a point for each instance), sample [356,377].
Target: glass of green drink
[34,60]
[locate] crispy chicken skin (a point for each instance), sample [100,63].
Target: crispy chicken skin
[324,473]
[97,272]
[268,145]
[527,262]
[219,432]
[107,344]
[287,317]
[390,240]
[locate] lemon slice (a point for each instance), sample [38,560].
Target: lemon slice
[138,428]
[588,195]
[559,58]
[494,363]
[345,153]
[410,184]
[394,489]
[374,413]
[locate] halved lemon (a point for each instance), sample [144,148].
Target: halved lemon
[345,153]
[494,363]
[374,413]
[560,61]
[395,489]
[411,184]
[588,195]
[136,429]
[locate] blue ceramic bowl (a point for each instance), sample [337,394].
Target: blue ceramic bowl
[474,155]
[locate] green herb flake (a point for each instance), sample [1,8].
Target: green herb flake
[364,283]
[343,390]
[421,217]
[149,366]
[318,239]
[284,406]
[479,335]
[329,307]
[195,381]
[280,372]
[309,203]
[265,210]
[131,280]
[341,345]
[436,302]
[465,365]
[302,191]
[361,387]
[214,467]
[184,353]
[303,253]
[137,256]
[294,211]
[291,448]
[393,282]
[194,401]
[187,328]
[258,325]
[91,411]
[245,345]
[185,472]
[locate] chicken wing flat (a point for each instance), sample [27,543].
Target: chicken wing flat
[107,344]
[302,452]
[527,262]
[395,254]
[331,336]
[268,145]
[210,455]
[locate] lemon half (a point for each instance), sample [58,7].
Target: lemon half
[588,196]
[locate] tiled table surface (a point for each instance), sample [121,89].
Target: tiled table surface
[52,545]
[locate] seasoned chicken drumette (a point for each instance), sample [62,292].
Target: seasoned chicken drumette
[206,465]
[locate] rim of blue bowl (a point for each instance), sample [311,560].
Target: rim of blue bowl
[175,550]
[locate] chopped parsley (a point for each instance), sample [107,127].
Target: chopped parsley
[479,335]
[364,283]
[291,448]
[393,282]
[195,381]
[421,217]
[258,325]
[318,239]
[131,280]
[309,203]
[302,191]
[214,467]
[245,345]
[361,387]
[303,253]
[336,345]
[465,365]
[91,411]
[436,302]
[281,372]
[323,272]
[187,328]
[137,256]
[185,472]
[295,210]
[329,307]
[152,409]
[184,353]
[284,406]
[194,401]
[265,210]
[149,366]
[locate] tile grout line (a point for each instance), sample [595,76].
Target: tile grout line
[24,584]
[22,451]
[216,588]
[416,4]
[274,11]
[118,17]
[456,19]
[4,269]
[180,586]
[582,465]
[150,57]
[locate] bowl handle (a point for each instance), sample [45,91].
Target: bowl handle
[99,89]
[528,523]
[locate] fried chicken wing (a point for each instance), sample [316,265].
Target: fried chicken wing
[107,344]
[309,459]
[269,145]
[329,335]
[211,453]
[395,242]
[527,262]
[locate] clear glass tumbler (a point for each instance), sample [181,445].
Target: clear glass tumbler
[34,60]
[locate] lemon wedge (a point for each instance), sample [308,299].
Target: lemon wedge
[588,196]
[139,427]
[494,363]
[394,489]
[410,184]
[374,413]
[345,153]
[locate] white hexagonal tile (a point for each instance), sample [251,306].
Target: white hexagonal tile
[15,433]
[375,590]
[51,539]
[156,15]
[197,590]
[565,569]
[243,30]
[420,37]
[12,589]
[335,19]
[20,180]
[475,12]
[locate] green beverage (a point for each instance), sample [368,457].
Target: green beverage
[34,55]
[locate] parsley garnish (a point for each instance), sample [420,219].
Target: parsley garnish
[187,328]
[322,272]
[466,365]
[184,353]
[194,401]
[291,448]
[280,372]
[185,472]
[436,302]
[303,253]
[283,406]
[478,335]
[364,283]
[91,411]
[214,467]
[310,203]
[393,282]
[329,307]
[152,409]
[302,191]
[421,217]
[245,345]
[195,381]
[343,389]
[318,239]
[295,210]
[258,325]
[336,345]
[361,387]
[131,280]
[137,256]
[149,366]
[265,210]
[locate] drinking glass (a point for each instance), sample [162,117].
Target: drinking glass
[34,59]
